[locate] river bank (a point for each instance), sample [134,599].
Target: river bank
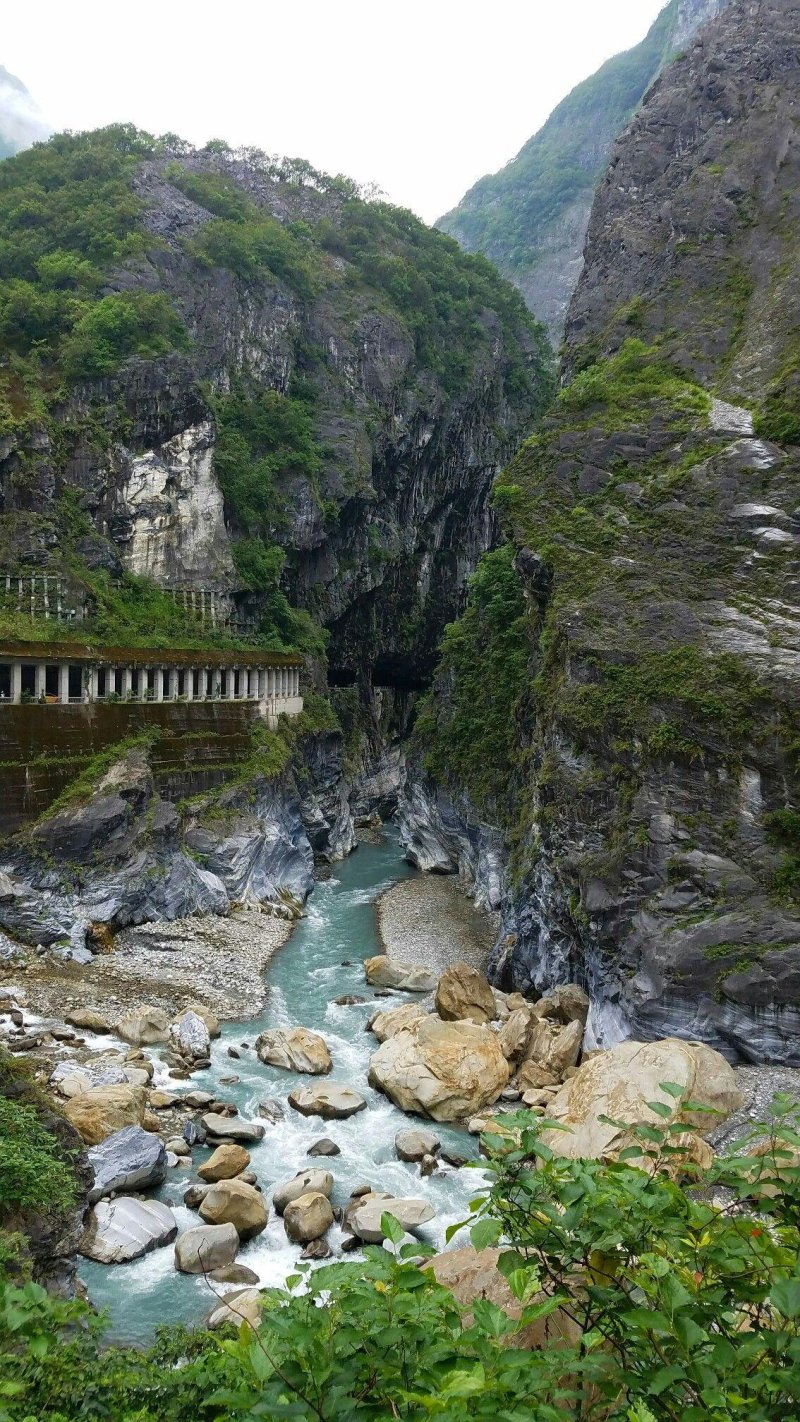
[430,919]
[217,961]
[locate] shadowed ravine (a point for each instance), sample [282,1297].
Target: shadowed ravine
[304,977]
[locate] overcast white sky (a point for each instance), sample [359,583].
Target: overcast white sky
[422,97]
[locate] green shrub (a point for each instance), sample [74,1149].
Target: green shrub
[252,245]
[33,1173]
[672,1293]
[467,728]
[125,324]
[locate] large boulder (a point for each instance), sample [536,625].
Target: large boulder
[385,1024]
[234,1202]
[513,1035]
[101,1111]
[144,1027]
[333,1101]
[415,1144]
[365,1219]
[189,1036]
[226,1161]
[554,1047]
[206,1247]
[444,1070]
[386,972]
[308,1217]
[464,995]
[70,1078]
[619,1083]
[232,1128]
[567,1003]
[123,1229]
[294,1049]
[472,1274]
[210,1018]
[238,1307]
[130,1159]
[317,1182]
[87,1020]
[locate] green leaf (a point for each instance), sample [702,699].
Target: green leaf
[785,1297]
[672,1089]
[660,1108]
[392,1229]
[485,1233]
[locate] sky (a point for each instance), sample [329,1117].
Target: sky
[421,97]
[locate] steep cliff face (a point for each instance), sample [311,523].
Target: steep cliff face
[653,826]
[531,217]
[269,389]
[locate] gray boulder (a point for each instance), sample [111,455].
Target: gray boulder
[206,1247]
[124,1229]
[232,1128]
[130,1159]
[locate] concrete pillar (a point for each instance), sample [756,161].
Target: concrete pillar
[143,680]
[231,683]
[216,682]
[91,684]
[188,683]
[63,683]
[39,680]
[172,683]
[16,682]
[127,682]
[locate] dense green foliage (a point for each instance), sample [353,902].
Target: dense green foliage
[469,736]
[67,215]
[671,1293]
[442,295]
[507,214]
[33,1173]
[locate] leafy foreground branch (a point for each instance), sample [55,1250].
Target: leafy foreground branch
[657,1289]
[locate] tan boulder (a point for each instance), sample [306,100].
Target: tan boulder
[532,1077]
[333,1101]
[567,1003]
[619,1083]
[464,995]
[102,1110]
[393,973]
[144,1027]
[306,1182]
[238,1307]
[308,1217]
[234,1202]
[386,1024]
[294,1049]
[472,1274]
[513,1035]
[227,1161]
[87,1019]
[554,1047]
[444,1070]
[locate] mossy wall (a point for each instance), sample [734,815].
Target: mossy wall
[43,748]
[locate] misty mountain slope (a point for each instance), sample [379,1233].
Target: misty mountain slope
[21,122]
[649,652]
[531,217]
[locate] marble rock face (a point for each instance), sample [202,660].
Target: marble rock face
[124,1229]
